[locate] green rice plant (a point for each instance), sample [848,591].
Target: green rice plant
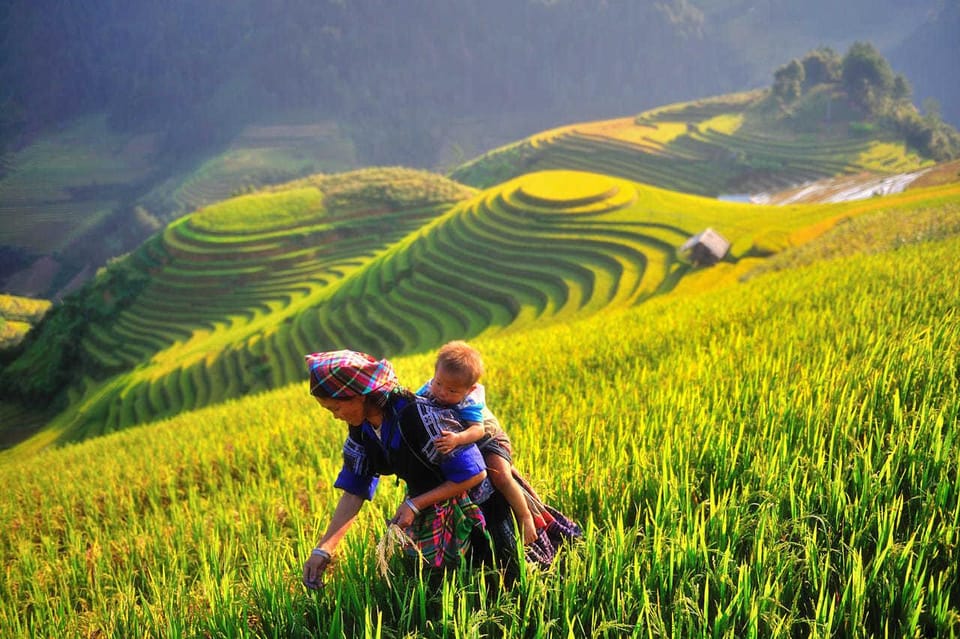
[261,211]
[772,458]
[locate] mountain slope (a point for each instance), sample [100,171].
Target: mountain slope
[738,143]
[84,193]
[227,303]
[929,58]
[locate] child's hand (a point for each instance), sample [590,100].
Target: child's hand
[446,441]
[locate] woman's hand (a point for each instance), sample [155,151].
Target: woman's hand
[405,515]
[314,568]
[343,517]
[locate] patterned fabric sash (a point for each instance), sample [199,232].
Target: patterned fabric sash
[441,534]
[554,529]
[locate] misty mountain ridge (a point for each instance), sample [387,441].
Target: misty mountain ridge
[177,115]
[198,72]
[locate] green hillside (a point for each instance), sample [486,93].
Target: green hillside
[67,182]
[83,194]
[86,193]
[17,316]
[771,458]
[730,144]
[226,301]
[825,115]
[203,311]
[261,153]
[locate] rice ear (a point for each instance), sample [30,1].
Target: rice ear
[394,538]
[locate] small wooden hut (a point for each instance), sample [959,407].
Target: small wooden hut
[705,248]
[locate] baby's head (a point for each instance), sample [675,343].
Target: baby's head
[457,371]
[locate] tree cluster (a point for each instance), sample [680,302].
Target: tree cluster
[871,86]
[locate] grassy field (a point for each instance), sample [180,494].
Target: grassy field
[769,458]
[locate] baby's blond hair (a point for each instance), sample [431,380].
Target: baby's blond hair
[461,359]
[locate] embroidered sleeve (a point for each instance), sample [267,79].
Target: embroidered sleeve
[463,462]
[355,457]
[355,476]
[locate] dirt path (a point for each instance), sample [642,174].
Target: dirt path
[842,189]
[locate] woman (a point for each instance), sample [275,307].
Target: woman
[392,432]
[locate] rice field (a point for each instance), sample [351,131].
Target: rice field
[387,261]
[17,316]
[260,154]
[706,147]
[64,184]
[776,458]
[68,181]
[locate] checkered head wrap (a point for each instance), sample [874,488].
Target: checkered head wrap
[343,374]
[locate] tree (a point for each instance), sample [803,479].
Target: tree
[931,110]
[901,88]
[788,81]
[821,66]
[867,76]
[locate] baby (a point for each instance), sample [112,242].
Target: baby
[455,385]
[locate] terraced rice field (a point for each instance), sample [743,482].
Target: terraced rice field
[775,459]
[705,148]
[547,246]
[261,154]
[225,285]
[67,182]
[232,305]
[209,292]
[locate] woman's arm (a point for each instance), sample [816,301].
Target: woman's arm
[343,517]
[448,489]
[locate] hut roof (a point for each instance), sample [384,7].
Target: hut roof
[706,247]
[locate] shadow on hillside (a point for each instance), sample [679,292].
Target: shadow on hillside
[10,436]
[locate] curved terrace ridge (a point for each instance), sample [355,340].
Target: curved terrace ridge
[567,191]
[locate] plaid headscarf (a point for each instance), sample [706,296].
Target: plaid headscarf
[343,374]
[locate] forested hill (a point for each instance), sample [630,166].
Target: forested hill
[930,56]
[197,69]
[200,69]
